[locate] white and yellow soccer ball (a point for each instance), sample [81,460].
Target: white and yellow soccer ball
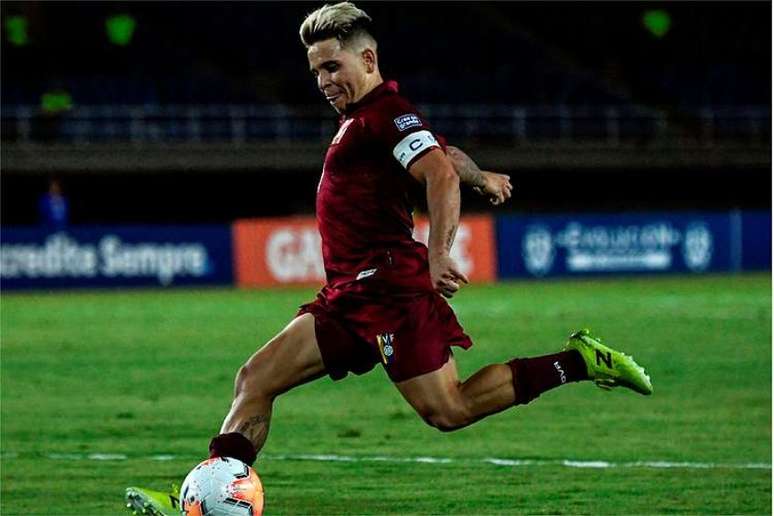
[222,487]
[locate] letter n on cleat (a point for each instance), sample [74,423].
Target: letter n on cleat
[607,358]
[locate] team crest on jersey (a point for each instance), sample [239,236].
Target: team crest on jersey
[342,130]
[386,349]
[407,121]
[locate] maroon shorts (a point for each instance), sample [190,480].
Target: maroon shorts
[409,335]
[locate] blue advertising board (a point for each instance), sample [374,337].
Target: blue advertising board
[755,241]
[575,245]
[101,256]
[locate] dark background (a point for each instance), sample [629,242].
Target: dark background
[716,56]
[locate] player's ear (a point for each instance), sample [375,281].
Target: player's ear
[369,58]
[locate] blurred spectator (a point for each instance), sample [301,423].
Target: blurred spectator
[53,207]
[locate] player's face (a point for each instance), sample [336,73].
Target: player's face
[341,73]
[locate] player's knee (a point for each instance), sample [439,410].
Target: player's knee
[243,381]
[447,419]
[254,378]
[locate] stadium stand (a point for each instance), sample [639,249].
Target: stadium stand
[224,87]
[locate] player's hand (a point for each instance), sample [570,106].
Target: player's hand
[445,275]
[497,187]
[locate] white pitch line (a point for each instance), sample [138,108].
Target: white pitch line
[593,464]
[524,462]
[107,456]
[163,457]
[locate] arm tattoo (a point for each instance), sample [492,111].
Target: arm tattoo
[465,167]
[450,237]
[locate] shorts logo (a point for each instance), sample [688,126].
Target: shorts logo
[407,121]
[365,274]
[384,341]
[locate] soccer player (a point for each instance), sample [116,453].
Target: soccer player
[383,301]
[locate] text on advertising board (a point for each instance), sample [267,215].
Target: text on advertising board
[96,256]
[288,250]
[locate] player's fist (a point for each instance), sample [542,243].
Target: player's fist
[497,187]
[445,274]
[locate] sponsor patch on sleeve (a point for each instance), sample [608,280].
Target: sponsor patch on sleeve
[407,121]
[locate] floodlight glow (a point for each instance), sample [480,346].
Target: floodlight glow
[120,29]
[16,29]
[56,101]
[657,21]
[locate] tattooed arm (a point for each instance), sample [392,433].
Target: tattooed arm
[497,187]
[443,201]
[465,167]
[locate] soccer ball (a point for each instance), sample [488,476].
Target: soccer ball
[222,487]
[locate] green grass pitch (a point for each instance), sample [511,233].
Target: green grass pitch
[137,374]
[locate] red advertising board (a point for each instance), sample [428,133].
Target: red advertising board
[286,251]
[474,247]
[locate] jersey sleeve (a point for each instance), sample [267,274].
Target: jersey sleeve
[400,128]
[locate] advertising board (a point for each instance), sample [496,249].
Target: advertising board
[573,245]
[115,256]
[287,251]
[755,241]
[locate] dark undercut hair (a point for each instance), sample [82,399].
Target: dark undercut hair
[343,21]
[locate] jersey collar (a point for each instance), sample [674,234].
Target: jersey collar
[385,88]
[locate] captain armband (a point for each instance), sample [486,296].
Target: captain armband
[413,145]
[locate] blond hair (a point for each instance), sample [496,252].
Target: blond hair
[343,21]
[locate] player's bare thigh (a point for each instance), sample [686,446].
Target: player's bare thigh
[447,404]
[436,396]
[290,359]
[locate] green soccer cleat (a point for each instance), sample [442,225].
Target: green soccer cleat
[607,367]
[152,503]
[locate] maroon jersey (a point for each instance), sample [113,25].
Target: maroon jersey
[365,196]
[378,304]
